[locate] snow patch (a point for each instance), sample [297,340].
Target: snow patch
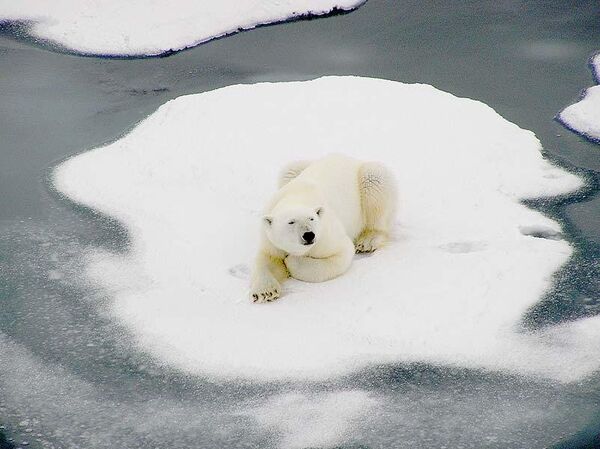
[583,117]
[190,182]
[313,420]
[139,27]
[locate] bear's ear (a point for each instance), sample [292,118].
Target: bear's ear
[268,220]
[319,211]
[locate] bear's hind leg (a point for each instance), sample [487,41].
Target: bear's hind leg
[291,171]
[378,200]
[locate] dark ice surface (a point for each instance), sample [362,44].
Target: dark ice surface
[69,376]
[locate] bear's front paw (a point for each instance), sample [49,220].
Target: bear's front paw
[369,241]
[265,290]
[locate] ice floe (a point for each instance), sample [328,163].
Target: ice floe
[467,261]
[583,117]
[139,27]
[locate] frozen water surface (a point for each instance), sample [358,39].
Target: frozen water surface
[70,373]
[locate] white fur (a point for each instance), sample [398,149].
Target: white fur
[347,205]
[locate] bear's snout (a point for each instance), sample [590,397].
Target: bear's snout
[308,237]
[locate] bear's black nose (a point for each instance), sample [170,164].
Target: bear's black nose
[308,237]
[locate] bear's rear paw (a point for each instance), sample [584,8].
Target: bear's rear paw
[265,291]
[369,241]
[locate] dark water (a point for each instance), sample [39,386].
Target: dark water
[68,375]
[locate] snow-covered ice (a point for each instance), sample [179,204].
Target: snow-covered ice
[583,117]
[315,420]
[139,27]
[467,261]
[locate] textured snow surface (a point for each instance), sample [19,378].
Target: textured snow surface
[466,263]
[142,27]
[583,117]
[316,420]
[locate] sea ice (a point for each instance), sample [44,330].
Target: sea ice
[466,263]
[139,27]
[583,117]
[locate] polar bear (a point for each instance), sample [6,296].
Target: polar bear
[323,213]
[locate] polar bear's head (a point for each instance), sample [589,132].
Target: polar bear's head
[294,230]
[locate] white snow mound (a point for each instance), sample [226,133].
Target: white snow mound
[140,27]
[583,117]
[190,182]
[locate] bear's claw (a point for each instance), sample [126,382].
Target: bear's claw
[369,241]
[265,295]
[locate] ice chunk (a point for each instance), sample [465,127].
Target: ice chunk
[139,27]
[583,117]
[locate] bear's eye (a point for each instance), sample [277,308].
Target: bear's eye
[291,222]
[311,219]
